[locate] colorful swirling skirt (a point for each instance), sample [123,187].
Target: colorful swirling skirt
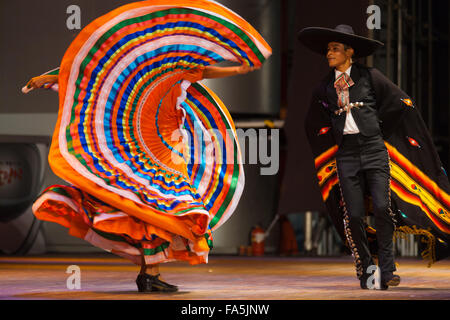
[151,154]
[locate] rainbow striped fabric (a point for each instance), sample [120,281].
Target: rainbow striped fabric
[139,134]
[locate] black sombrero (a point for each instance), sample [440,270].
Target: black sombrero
[317,39]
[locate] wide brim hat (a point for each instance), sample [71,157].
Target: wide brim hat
[318,38]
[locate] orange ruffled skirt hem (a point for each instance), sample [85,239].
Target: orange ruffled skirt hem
[105,227]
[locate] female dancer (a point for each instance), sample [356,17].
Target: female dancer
[149,278]
[150,153]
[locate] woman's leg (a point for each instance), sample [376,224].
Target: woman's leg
[152,269]
[149,278]
[143,264]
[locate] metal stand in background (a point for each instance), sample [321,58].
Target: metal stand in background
[272,224]
[308,231]
[319,238]
[411,42]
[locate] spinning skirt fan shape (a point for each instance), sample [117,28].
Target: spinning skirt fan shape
[151,155]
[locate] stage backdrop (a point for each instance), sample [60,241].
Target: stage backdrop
[36,34]
[299,191]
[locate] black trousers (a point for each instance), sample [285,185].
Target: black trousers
[363,162]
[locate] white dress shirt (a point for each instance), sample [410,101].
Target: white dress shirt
[350,125]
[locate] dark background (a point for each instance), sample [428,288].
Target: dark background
[34,38]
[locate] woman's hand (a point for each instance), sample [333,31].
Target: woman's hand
[211,72]
[244,69]
[38,82]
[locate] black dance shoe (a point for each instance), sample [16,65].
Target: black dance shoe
[148,283]
[391,280]
[363,281]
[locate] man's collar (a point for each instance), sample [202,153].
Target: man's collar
[338,73]
[354,74]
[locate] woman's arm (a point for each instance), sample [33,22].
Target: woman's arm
[222,72]
[38,82]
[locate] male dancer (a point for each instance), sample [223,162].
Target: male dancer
[348,102]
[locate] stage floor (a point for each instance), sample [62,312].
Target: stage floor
[105,277]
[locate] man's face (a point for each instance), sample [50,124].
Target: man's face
[337,55]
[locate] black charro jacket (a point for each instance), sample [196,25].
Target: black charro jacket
[366,117]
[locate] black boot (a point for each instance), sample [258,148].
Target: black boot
[389,280]
[148,283]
